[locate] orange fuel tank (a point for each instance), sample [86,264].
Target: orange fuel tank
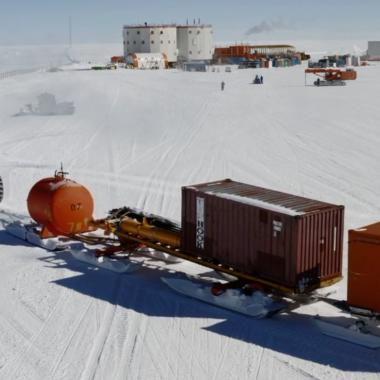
[61,206]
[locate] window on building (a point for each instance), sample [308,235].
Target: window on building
[134,42]
[152,42]
[138,32]
[143,42]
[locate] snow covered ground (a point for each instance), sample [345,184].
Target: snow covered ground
[14,58]
[134,139]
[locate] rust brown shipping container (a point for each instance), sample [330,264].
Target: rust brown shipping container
[232,51]
[117,59]
[288,240]
[364,267]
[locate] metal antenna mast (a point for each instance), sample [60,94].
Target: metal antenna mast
[70,33]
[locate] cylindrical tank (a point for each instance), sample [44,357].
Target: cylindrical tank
[150,232]
[151,39]
[61,206]
[195,43]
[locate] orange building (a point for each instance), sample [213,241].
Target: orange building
[253,51]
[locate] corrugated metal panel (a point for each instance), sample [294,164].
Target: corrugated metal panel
[320,243]
[301,204]
[268,240]
[364,267]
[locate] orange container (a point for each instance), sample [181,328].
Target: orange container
[364,267]
[349,75]
[340,75]
[117,59]
[61,206]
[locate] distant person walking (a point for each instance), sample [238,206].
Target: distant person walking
[261,79]
[222,85]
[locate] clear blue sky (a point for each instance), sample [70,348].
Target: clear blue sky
[96,21]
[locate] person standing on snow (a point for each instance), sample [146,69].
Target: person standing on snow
[261,79]
[222,85]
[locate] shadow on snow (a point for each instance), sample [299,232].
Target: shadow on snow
[143,292]
[8,239]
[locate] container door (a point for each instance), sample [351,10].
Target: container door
[278,246]
[271,247]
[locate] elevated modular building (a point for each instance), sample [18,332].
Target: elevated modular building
[160,39]
[195,42]
[259,56]
[373,52]
[254,51]
[273,50]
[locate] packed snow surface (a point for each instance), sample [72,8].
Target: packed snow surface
[135,138]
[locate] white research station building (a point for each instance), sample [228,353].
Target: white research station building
[176,43]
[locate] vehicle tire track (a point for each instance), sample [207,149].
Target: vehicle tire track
[71,337]
[163,171]
[59,330]
[102,336]
[135,325]
[31,342]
